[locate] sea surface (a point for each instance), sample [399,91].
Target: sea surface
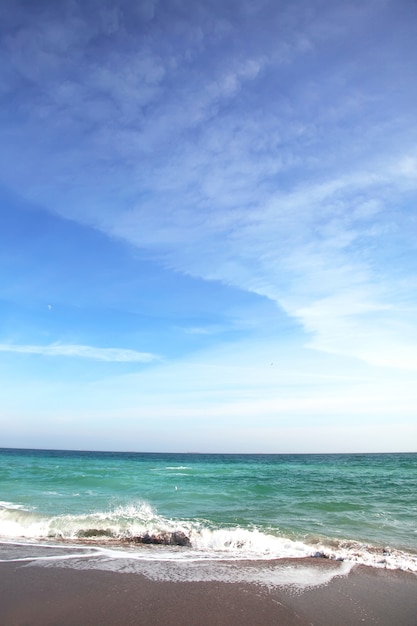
[352,508]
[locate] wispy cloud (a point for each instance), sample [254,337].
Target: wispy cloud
[326,253]
[115,355]
[250,151]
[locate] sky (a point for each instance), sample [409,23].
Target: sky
[208,225]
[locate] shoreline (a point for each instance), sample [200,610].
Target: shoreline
[60,594]
[350,552]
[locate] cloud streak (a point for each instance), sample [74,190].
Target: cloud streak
[110,355]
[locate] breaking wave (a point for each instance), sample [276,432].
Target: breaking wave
[139,524]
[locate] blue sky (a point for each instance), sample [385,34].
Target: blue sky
[208,225]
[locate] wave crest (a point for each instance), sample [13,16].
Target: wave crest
[140,524]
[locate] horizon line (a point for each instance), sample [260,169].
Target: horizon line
[87,451]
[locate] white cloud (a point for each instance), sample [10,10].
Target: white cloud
[116,355]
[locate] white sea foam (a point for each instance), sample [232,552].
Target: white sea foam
[294,575]
[298,576]
[184,540]
[11,505]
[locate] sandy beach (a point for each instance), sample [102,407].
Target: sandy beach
[55,596]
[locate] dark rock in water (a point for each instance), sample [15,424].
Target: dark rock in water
[94,532]
[147,538]
[320,555]
[177,538]
[180,539]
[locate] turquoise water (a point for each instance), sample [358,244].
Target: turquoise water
[354,507]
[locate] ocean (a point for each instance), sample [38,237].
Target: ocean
[131,507]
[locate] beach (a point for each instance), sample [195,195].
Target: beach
[35,595]
[93,538]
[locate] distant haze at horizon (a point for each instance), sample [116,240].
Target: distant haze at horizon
[157,453]
[208,226]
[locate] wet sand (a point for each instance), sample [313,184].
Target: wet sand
[54,596]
